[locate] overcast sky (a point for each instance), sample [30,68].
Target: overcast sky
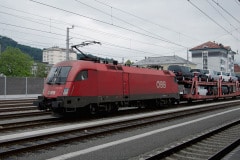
[129,29]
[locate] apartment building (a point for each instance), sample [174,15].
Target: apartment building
[211,55]
[54,55]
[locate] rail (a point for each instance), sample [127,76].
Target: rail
[43,138]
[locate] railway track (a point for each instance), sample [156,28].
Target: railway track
[16,105]
[22,114]
[211,145]
[4,103]
[22,142]
[17,108]
[10,109]
[26,125]
[10,112]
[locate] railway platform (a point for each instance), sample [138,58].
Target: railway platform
[19,96]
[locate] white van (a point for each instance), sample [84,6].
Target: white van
[232,77]
[211,74]
[224,76]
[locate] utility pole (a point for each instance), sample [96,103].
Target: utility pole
[0,45]
[0,49]
[67,42]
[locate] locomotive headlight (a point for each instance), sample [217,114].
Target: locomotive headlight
[65,91]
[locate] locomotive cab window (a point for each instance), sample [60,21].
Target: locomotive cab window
[83,75]
[58,75]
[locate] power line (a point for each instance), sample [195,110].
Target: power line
[27,19]
[221,14]
[166,40]
[212,19]
[32,14]
[30,34]
[238,2]
[51,26]
[124,38]
[106,43]
[97,20]
[226,11]
[146,20]
[33,29]
[35,43]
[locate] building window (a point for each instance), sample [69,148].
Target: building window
[205,53]
[222,62]
[205,62]
[205,59]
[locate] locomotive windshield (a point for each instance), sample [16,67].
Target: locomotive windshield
[58,75]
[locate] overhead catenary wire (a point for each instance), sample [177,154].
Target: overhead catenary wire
[226,11]
[43,18]
[146,20]
[76,26]
[37,21]
[106,33]
[222,15]
[212,20]
[33,29]
[107,23]
[28,19]
[118,46]
[106,43]
[27,33]
[124,21]
[126,39]
[238,2]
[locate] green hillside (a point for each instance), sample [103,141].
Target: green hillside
[35,53]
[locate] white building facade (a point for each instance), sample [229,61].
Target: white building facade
[211,55]
[164,62]
[54,55]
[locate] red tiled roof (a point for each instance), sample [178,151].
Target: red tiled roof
[211,45]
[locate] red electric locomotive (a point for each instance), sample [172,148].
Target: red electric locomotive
[72,85]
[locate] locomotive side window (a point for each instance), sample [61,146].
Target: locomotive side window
[83,75]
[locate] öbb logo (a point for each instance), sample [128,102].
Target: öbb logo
[161,84]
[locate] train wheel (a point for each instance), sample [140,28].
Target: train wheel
[114,108]
[158,103]
[190,100]
[173,101]
[178,102]
[93,109]
[108,108]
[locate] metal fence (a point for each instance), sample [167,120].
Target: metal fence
[21,86]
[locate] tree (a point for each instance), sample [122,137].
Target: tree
[128,62]
[41,70]
[13,62]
